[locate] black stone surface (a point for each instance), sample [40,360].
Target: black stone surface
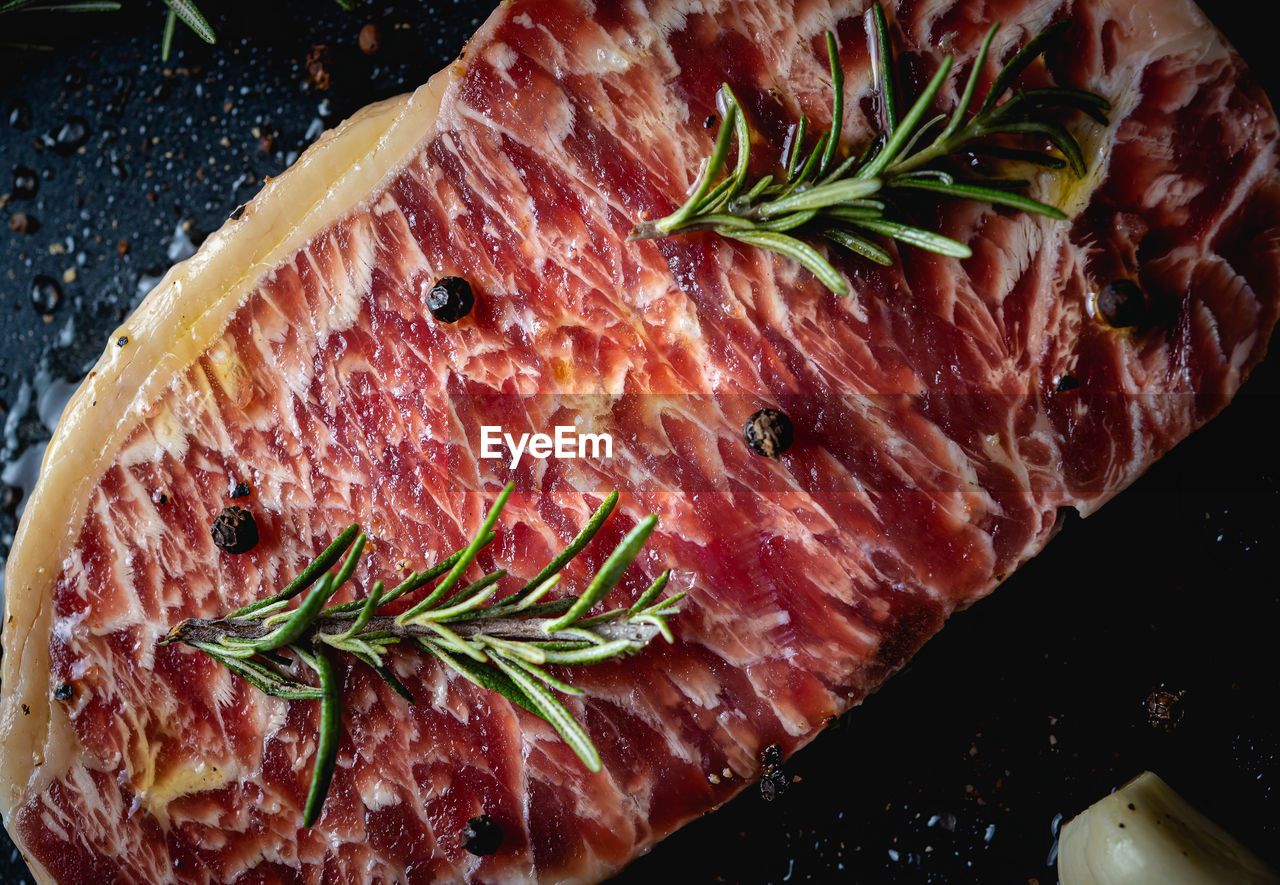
[1025,709]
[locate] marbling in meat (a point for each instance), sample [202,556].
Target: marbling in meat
[943,413]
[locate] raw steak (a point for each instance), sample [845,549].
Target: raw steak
[945,412]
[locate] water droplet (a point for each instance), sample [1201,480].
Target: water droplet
[52,396]
[20,473]
[20,115]
[186,239]
[10,497]
[73,134]
[46,295]
[120,85]
[25,182]
[146,282]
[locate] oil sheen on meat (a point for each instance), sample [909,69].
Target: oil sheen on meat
[944,412]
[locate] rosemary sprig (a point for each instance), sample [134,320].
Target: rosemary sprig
[185,11]
[189,14]
[25,46]
[503,646]
[848,201]
[58,6]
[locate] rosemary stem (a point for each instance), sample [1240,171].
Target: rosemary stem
[926,155]
[211,630]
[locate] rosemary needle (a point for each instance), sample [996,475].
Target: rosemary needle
[330,725]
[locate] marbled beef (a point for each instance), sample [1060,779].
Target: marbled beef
[944,412]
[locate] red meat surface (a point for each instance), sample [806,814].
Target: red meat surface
[938,432]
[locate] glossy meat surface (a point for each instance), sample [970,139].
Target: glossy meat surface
[936,439]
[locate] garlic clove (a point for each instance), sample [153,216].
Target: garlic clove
[1143,833]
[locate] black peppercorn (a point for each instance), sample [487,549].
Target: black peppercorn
[122,341]
[450,299]
[241,490]
[1067,382]
[1164,708]
[1122,304]
[768,432]
[235,530]
[773,782]
[482,835]
[63,692]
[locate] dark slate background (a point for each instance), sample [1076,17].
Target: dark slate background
[1025,709]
